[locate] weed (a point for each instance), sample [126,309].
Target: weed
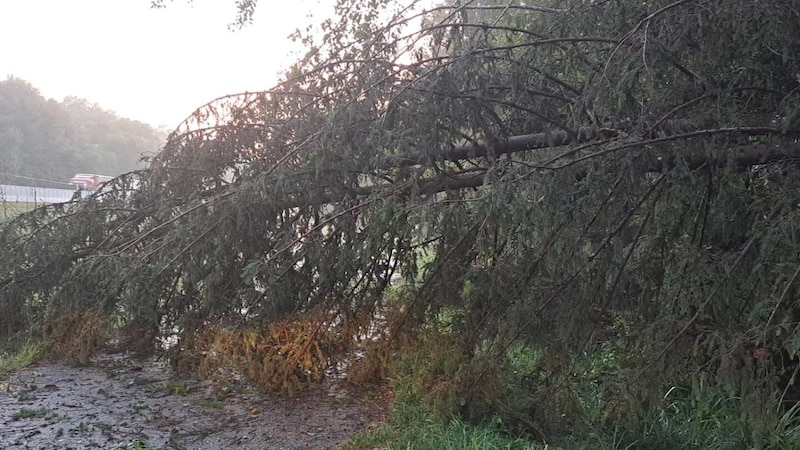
[175,387]
[136,444]
[28,413]
[426,377]
[23,357]
[78,335]
[137,408]
[422,433]
[105,428]
[25,396]
[287,356]
[82,428]
[703,422]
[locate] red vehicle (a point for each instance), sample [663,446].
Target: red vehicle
[88,181]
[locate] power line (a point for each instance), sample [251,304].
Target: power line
[34,179]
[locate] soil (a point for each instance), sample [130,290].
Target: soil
[121,402]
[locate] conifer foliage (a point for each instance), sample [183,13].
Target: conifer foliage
[575,176]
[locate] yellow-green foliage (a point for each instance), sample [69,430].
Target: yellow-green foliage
[387,338]
[9,210]
[375,365]
[27,354]
[428,375]
[78,335]
[284,357]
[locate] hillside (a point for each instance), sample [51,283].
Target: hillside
[43,139]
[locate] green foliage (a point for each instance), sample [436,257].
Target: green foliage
[612,184]
[454,435]
[427,378]
[710,422]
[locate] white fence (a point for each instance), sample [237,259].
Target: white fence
[30,194]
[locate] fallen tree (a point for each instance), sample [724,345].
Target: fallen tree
[527,184]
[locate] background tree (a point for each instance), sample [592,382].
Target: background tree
[245,9]
[44,140]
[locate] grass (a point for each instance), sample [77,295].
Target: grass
[685,418]
[9,210]
[23,357]
[175,387]
[455,435]
[28,413]
[415,429]
[717,424]
[38,413]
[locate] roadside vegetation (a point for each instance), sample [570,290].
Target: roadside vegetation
[9,210]
[685,419]
[15,357]
[568,224]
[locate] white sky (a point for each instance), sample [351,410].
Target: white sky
[153,65]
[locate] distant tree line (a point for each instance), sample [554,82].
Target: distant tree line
[44,139]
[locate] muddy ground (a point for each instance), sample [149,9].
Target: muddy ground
[120,402]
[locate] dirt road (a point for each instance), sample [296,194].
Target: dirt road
[118,402]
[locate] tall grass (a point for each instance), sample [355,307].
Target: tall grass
[426,434]
[720,424]
[686,418]
[9,210]
[24,356]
